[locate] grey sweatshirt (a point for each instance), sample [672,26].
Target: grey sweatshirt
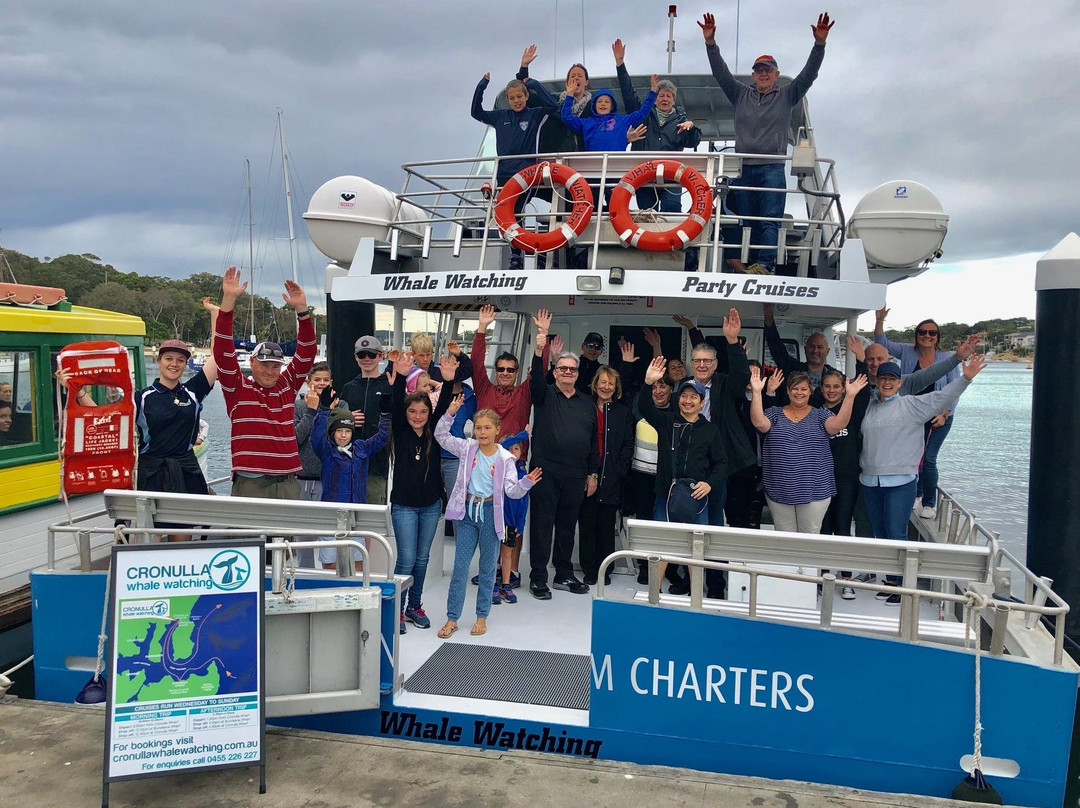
[763,122]
[892,431]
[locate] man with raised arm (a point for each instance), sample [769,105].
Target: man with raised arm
[763,127]
[565,445]
[510,400]
[816,348]
[265,458]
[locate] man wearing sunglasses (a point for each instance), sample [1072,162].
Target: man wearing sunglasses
[510,398]
[361,395]
[763,126]
[565,445]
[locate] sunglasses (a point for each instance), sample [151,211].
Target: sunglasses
[566,370]
[927,332]
[505,370]
[763,69]
[269,353]
[366,355]
[594,345]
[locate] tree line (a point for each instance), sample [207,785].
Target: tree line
[171,308]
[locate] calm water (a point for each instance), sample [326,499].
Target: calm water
[984,461]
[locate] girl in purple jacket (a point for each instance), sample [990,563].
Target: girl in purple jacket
[486,475]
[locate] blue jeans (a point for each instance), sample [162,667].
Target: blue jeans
[754,203]
[414,530]
[889,510]
[928,477]
[666,200]
[449,469]
[471,532]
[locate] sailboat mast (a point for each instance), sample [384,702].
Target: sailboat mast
[288,196]
[251,245]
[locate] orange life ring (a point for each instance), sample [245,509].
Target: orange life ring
[676,238]
[568,231]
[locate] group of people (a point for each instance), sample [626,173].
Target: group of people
[537,122]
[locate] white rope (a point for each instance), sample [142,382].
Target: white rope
[975,604]
[290,573]
[99,666]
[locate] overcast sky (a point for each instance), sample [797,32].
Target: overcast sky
[124,125]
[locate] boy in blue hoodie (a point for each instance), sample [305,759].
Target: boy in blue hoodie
[344,460]
[606,129]
[516,133]
[514,512]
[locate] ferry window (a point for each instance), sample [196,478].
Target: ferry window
[792,349]
[17,424]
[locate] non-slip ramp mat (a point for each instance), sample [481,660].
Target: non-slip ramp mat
[504,674]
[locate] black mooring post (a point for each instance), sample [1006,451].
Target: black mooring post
[346,322]
[1053,537]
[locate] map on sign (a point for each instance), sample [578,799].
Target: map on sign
[186,646]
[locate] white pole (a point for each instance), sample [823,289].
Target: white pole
[288,196]
[672,14]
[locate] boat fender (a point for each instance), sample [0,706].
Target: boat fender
[675,238]
[566,234]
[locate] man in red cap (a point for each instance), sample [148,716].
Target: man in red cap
[265,458]
[763,126]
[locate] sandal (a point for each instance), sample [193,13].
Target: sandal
[479,627]
[448,629]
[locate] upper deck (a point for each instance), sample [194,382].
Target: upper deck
[436,242]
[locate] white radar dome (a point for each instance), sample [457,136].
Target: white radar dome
[901,224]
[347,209]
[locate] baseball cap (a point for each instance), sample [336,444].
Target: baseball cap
[766,59]
[177,345]
[593,340]
[368,343]
[269,352]
[888,369]
[697,387]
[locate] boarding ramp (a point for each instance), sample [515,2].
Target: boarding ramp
[955,573]
[323,642]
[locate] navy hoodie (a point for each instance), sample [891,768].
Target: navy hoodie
[515,132]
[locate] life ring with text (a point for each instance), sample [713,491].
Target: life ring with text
[566,233]
[631,234]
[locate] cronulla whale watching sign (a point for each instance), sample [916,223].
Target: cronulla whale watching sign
[186,661]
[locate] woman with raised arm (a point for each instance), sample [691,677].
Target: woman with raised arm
[892,446]
[797,464]
[925,352]
[416,499]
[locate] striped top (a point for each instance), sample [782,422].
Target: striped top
[263,430]
[798,465]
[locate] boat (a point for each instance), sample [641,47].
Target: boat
[780,680]
[35,324]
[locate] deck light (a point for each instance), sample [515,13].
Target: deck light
[588,283]
[616,275]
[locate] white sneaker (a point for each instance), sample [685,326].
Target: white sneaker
[918,504]
[929,512]
[847,592]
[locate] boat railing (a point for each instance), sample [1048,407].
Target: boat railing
[460,195]
[982,575]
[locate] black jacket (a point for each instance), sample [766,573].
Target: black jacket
[659,137]
[618,452]
[363,394]
[564,428]
[789,364]
[554,134]
[726,395]
[693,450]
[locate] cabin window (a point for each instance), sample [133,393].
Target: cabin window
[19,425]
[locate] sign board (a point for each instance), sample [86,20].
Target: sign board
[186,682]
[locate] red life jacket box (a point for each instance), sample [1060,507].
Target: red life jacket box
[98,447]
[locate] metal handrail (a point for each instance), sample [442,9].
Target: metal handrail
[472,211]
[83,538]
[908,628]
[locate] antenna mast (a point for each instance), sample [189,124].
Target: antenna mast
[672,14]
[251,245]
[288,195]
